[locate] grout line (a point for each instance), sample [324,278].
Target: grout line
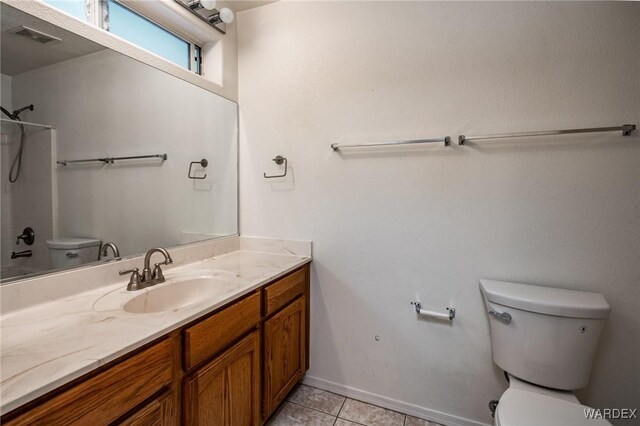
[342,406]
[337,416]
[302,384]
[310,408]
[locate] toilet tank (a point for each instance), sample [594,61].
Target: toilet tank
[552,335]
[71,251]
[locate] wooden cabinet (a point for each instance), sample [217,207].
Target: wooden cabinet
[232,367]
[109,395]
[226,391]
[212,335]
[161,411]
[284,353]
[283,291]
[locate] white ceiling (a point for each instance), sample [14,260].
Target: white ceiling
[240,5]
[20,54]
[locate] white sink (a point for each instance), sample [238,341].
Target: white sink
[178,293]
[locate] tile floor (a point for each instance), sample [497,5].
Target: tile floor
[307,405]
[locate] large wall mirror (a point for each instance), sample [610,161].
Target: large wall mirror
[65,99]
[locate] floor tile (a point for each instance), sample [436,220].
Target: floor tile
[414,421]
[296,415]
[343,422]
[317,399]
[370,415]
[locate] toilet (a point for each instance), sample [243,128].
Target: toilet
[66,252]
[545,340]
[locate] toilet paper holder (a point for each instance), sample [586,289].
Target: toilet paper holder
[449,315]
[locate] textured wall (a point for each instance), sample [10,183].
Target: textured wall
[390,226]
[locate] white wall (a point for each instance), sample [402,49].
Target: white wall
[106,104]
[395,225]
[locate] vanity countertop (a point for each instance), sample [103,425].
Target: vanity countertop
[48,345]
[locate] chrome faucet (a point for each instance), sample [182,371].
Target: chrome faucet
[114,248]
[148,278]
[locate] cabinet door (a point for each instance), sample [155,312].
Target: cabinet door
[226,391]
[284,353]
[159,412]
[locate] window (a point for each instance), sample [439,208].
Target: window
[136,29]
[139,30]
[75,8]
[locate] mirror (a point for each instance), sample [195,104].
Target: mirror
[92,103]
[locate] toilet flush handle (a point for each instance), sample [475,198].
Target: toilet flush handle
[505,317]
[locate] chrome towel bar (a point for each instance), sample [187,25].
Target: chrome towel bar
[446,140]
[111,160]
[626,130]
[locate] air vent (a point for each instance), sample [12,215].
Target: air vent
[34,35]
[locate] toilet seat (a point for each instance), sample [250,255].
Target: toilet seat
[519,407]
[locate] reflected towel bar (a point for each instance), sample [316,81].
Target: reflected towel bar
[626,130]
[445,140]
[111,160]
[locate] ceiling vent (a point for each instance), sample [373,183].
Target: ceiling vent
[34,35]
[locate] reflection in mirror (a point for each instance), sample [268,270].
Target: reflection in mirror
[65,98]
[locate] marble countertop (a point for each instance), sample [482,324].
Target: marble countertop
[48,345]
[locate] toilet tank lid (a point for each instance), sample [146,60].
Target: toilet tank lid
[72,243]
[546,300]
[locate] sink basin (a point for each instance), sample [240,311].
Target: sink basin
[178,293]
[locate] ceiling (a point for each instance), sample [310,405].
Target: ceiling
[21,54]
[240,5]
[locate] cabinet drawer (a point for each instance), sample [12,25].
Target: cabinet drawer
[284,290]
[109,395]
[215,333]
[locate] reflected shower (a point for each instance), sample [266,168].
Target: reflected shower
[16,164]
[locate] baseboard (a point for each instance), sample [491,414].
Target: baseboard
[391,404]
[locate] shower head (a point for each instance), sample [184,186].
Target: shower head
[17,112]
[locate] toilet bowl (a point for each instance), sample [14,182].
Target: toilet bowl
[66,252]
[545,339]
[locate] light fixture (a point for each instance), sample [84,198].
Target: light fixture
[210,11]
[225,15]
[201,4]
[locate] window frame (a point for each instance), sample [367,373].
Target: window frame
[96,12]
[195,51]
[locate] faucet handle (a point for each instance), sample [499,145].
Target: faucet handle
[129,271]
[157,272]
[28,236]
[135,280]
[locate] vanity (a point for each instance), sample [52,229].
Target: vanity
[114,169]
[227,352]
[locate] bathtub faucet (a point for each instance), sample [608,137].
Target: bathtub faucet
[25,253]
